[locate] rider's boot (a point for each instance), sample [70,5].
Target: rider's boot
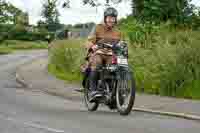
[93,85]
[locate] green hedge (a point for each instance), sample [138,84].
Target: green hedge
[13,32]
[27,36]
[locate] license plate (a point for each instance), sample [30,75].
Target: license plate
[122,61]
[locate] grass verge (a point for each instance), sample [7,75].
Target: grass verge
[5,50]
[24,45]
[170,66]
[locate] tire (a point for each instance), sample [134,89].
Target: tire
[113,105]
[91,106]
[124,77]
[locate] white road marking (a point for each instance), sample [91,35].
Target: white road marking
[33,125]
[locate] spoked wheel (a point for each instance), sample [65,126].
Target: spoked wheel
[125,93]
[92,106]
[112,104]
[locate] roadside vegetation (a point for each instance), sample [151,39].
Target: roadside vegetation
[4,50]
[164,50]
[66,56]
[17,34]
[24,45]
[163,37]
[169,65]
[9,46]
[166,60]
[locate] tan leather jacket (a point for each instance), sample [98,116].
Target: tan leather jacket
[104,34]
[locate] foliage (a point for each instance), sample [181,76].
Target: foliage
[51,15]
[181,75]
[63,62]
[5,50]
[3,16]
[24,35]
[93,3]
[170,67]
[139,34]
[4,30]
[19,32]
[41,25]
[137,6]
[179,12]
[25,45]
[8,12]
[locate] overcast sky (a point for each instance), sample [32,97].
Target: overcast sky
[77,13]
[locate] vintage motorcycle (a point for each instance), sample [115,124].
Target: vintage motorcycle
[115,81]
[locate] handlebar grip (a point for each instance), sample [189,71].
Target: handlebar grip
[104,45]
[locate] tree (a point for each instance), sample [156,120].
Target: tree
[8,12]
[4,17]
[40,23]
[21,18]
[160,10]
[93,3]
[178,11]
[51,15]
[137,7]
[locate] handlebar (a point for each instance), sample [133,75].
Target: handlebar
[104,45]
[112,46]
[115,47]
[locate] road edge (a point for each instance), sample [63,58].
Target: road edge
[21,81]
[171,114]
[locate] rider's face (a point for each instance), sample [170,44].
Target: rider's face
[110,21]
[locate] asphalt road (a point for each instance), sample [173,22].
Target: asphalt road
[30,111]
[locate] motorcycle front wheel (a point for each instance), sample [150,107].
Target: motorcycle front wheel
[92,106]
[125,93]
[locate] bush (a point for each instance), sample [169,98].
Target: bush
[3,36]
[19,32]
[166,61]
[137,33]
[28,36]
[182,76]
[172,67]
[4,31]
[65,59]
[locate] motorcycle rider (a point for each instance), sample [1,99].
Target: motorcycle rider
[104,33]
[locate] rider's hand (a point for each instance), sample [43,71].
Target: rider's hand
[91,46]
[94,47]
[88,45]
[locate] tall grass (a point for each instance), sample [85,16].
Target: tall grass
[165,61]
[171,67]
[18,45]
[65,59]
[5,50]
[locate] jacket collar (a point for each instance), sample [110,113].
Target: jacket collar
[107,28]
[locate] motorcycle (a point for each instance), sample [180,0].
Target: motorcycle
[115,81]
